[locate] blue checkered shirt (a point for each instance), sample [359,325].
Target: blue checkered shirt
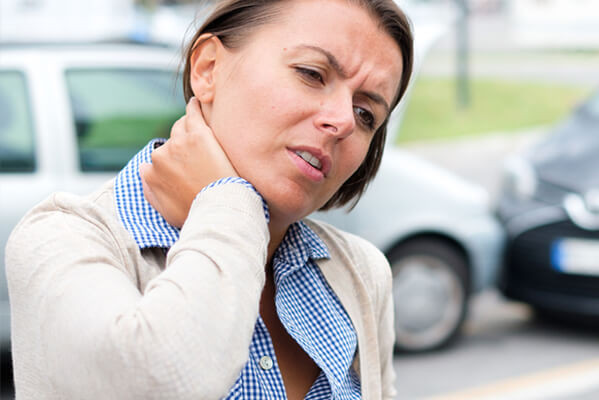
[306,305]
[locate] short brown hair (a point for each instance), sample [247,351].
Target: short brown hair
[233,20]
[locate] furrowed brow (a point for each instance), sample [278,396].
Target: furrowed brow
[332,60]
[378,99]
[334,63]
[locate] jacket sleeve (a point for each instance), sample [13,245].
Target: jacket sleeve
[186,336]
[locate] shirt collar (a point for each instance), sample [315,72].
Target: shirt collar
[299,245]
[146,225]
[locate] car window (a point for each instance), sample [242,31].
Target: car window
[17,149]
[117,111]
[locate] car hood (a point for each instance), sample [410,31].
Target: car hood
[569,157]
[436,187]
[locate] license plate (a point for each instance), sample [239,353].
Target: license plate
[576,256]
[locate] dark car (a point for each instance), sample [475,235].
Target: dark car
[550,209]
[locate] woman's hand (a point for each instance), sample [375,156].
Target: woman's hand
[190,160]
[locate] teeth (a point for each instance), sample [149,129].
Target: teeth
[310,159]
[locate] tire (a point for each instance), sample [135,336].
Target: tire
[430,293]
[6,380]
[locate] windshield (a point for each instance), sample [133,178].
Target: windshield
[574,137]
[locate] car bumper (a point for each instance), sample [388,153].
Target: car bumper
[529,274]
[548,299]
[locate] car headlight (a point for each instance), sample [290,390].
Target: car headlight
[519,178]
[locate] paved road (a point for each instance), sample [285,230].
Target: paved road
[505,353]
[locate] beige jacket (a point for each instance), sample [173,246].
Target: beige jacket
[93,317]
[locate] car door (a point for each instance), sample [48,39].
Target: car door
[24,178]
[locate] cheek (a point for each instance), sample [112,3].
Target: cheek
[251,98]
[354,156]
[252,116]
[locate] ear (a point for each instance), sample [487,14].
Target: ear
[203,65]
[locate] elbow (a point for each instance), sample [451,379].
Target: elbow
[165,364]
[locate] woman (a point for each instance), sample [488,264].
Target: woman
[207,283]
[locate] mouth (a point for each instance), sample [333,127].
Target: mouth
[313,161]
[310,159]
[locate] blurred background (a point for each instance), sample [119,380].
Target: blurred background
[492,223]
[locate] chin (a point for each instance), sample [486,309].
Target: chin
[291,208]
[289,211]
[289,201]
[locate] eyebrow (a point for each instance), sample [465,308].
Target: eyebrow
[334,63]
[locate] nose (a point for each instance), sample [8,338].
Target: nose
[336,117]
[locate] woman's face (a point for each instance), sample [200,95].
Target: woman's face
[296,107]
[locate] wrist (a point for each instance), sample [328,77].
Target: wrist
[239,181]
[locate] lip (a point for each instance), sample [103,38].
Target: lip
[324,159]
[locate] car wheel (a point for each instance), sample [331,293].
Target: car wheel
[430,293]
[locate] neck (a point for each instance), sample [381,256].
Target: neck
[277,233]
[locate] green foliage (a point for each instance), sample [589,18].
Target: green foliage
[496,106]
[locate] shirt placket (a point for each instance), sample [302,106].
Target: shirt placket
[266,365]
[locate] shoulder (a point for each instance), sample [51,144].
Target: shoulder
[341,241]
[96,208]
[361,256]
[63,222]
[98,205]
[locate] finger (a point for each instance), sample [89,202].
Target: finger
[163,159]
[155,157]
[195,122]
[195,119]
[178,127]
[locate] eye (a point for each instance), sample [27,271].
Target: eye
[310,74]
[365,117]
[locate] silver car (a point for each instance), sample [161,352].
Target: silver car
[71,116]
[441,240]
